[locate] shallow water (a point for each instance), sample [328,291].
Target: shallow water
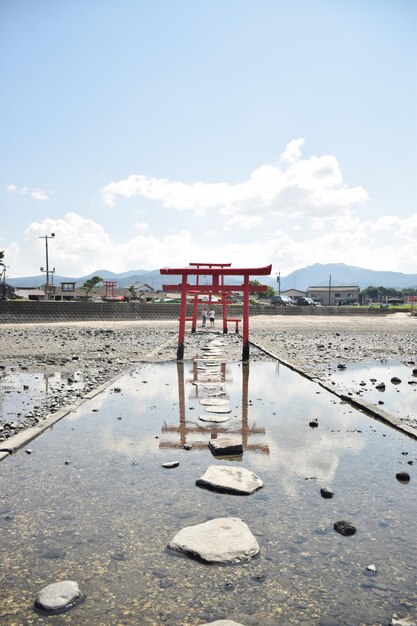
[23,393]
[105,518]
[398,399]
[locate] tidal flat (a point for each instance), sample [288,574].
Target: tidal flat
[93,503]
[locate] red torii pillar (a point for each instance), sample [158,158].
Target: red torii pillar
[217,271]
[109,284]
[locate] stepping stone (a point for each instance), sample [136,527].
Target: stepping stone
[220,540]
[230,479]
[223,622]
[207,384]
[226,446]
[58,596]
[215,419]
[218,409]
[213,402]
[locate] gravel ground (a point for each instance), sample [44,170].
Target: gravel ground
[314,343]
[88,355]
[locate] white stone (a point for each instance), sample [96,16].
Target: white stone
[218,409]
[223,622]
[57,596]
[221,540]
[207,385]
[230,479]
[216,419]
[214,402]
[226,446]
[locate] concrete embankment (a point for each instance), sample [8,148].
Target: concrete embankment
[20,312]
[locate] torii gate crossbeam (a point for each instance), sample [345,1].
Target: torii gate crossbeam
[217,272]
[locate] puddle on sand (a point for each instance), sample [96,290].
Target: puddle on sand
[399,399]
[25,394]
[105,518]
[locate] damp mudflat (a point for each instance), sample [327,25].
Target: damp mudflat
[92,503]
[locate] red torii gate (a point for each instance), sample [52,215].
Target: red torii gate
[217,271]
[109,284]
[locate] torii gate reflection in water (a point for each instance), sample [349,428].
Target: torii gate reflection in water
[217,287]
[187,428]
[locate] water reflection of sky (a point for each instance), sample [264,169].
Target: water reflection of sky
[105,518]
[398,399]
[21,392]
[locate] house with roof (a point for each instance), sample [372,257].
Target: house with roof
[334,295]
[293,293]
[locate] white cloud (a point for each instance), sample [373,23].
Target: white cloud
[36,193]
[82,245]
[141,226]
[292,152]
[294,187]
[244,222]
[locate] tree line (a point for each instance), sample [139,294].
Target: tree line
[376,293]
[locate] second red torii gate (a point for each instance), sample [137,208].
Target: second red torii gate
[217,272]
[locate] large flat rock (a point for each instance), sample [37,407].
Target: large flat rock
[214,402]
[223,622]
[226,446]
[215,419]
[229,479]
[218,409]
[221,540]
[58,596]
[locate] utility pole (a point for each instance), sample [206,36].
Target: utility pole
[279,282]
[51,236]
[330,287]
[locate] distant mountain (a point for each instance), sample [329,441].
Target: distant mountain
[341,274]
[312,275]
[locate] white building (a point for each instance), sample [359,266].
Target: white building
[334,295]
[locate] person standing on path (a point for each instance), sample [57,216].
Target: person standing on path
[212,314]
[203,316]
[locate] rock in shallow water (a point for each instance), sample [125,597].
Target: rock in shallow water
[403,477]
[326,493]
[216,419]
[226,446]
[58,596]
[214,402]
[170,464]
[221,540]
[227,479]
[345,528]
[218,409]
[223,622]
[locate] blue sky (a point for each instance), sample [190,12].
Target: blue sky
[147,134]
